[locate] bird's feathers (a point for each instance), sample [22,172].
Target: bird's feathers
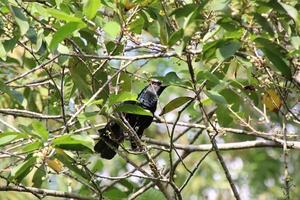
[112,134]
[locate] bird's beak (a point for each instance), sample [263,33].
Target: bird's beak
[161,89]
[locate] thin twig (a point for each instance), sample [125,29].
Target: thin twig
[27,114]
[33,70]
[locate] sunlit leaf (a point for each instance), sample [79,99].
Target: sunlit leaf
[90,8]
[74,143]
[121,97]
[3,53]
[23,169]
[292,12]
[40,130]
[64,32]
[31,147]
[6,138]
[20,18]
[112,28]
[63,16]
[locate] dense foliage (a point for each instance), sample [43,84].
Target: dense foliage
[233,72]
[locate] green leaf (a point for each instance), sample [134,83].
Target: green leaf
[80,76]
[114,48]
[63,16]
[129,185]
[136,26]
[231,98]
[271,46]
[69,88]
[176,36]
[123,81]
[227,49]
[218,5]
[207,75]
[292,12]
[172,78]
[263,22]
[163,30]
[87,116]
[112,28]
[175,103]
[228,24]
[209,50]
[64,32]
[151,194]
[114,193]
[90,8]
[3,53]
[184,11]
[39,176]
[121,97]
[96,165]
[20,171]
[223,116]
[295,41]
[20,18]
[278,62]
[99,78]
[12,93]
[70,163]
[216,97]
[133,109]
[10,44]
[40,130]
[75,142]
[31,147]
[8,137]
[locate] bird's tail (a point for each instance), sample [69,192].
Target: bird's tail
[106,146]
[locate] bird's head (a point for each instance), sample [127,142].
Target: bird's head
[149,95]
[156,86]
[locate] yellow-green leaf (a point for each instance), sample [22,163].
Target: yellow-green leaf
[90,8]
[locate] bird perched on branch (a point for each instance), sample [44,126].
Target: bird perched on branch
[112,134]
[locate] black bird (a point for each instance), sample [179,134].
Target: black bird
[112,134]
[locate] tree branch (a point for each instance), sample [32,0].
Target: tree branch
[226,146]
[45,192]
